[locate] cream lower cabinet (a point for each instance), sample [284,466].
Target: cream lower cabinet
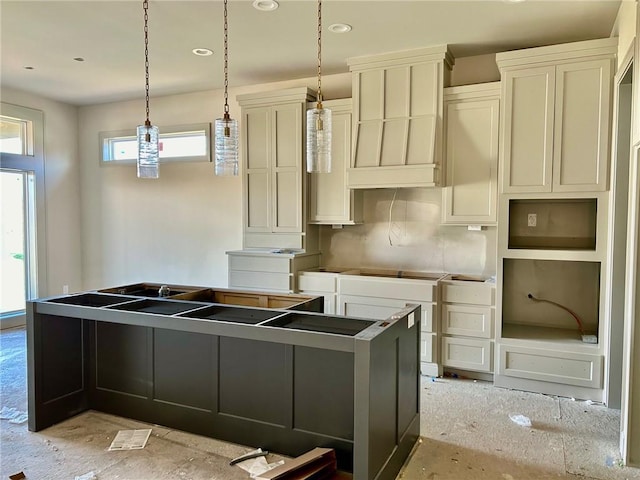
[471,115]
[467,321]
[330,201]
[266,271]
[555,118]
[321,282]
[379,298]
[273,169]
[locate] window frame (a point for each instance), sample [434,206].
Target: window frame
[104,143]
[26,135]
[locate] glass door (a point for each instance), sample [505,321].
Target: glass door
[17,245]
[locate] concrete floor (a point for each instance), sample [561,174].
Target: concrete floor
[465,426]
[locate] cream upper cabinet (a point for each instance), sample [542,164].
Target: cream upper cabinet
[471,116]
[274,176]
[556,117]
[330,201]
[397,118]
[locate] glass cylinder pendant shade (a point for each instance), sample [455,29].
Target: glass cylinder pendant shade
[226,146]
[319,140]
[148,152]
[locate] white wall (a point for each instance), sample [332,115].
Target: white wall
[62,190]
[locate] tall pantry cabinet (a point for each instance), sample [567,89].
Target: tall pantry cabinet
[552,333]
[275,180]
[277,240]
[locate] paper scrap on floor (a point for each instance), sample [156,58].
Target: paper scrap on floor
[258,466]
[13,415]
[87,476]
[130,440]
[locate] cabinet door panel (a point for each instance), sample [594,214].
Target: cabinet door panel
[257,185]
[472,161]
[581,138]
[369,307]
[528,130]
[467,353]
[288,136]
[472,321]
[287,201]
[257,138]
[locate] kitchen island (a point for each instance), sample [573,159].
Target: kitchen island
[284,380]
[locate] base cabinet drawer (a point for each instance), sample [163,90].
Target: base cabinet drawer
[317,282]
[398,288]
[571,368]
[472,293]
[260,263]
[382,308]
[467,320]
[467,354]
[258,280]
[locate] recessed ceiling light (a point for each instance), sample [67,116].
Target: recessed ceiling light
[265,5]
[79,59]
[202,52]
[29,68]
[513,1]
[340,28]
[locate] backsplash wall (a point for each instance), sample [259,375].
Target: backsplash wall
[413,240]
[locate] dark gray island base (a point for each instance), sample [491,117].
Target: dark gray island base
[283,380]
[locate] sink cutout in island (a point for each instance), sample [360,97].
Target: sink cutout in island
[322,324]
[160,307]
[91,300]
[250,316]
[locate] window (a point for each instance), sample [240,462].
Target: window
[190,143]
[16,135]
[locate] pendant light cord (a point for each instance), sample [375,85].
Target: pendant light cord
[226,63]
[319,53]
[145,6]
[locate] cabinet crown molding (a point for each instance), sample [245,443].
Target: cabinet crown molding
[288,95]
[557,53]
[404,57]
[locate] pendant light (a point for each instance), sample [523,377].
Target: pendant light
[319,121]
[147,134]
[226,128]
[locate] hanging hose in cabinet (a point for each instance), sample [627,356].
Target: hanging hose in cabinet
[585,338]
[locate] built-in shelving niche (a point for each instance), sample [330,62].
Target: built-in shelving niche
[560,224]
[573,284]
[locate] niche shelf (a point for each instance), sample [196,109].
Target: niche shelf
[573,284]
[559,224]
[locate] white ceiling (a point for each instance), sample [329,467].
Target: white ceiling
[263,46]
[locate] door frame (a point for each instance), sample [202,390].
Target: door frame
[34,163]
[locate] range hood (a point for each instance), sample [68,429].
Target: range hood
[398,109]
